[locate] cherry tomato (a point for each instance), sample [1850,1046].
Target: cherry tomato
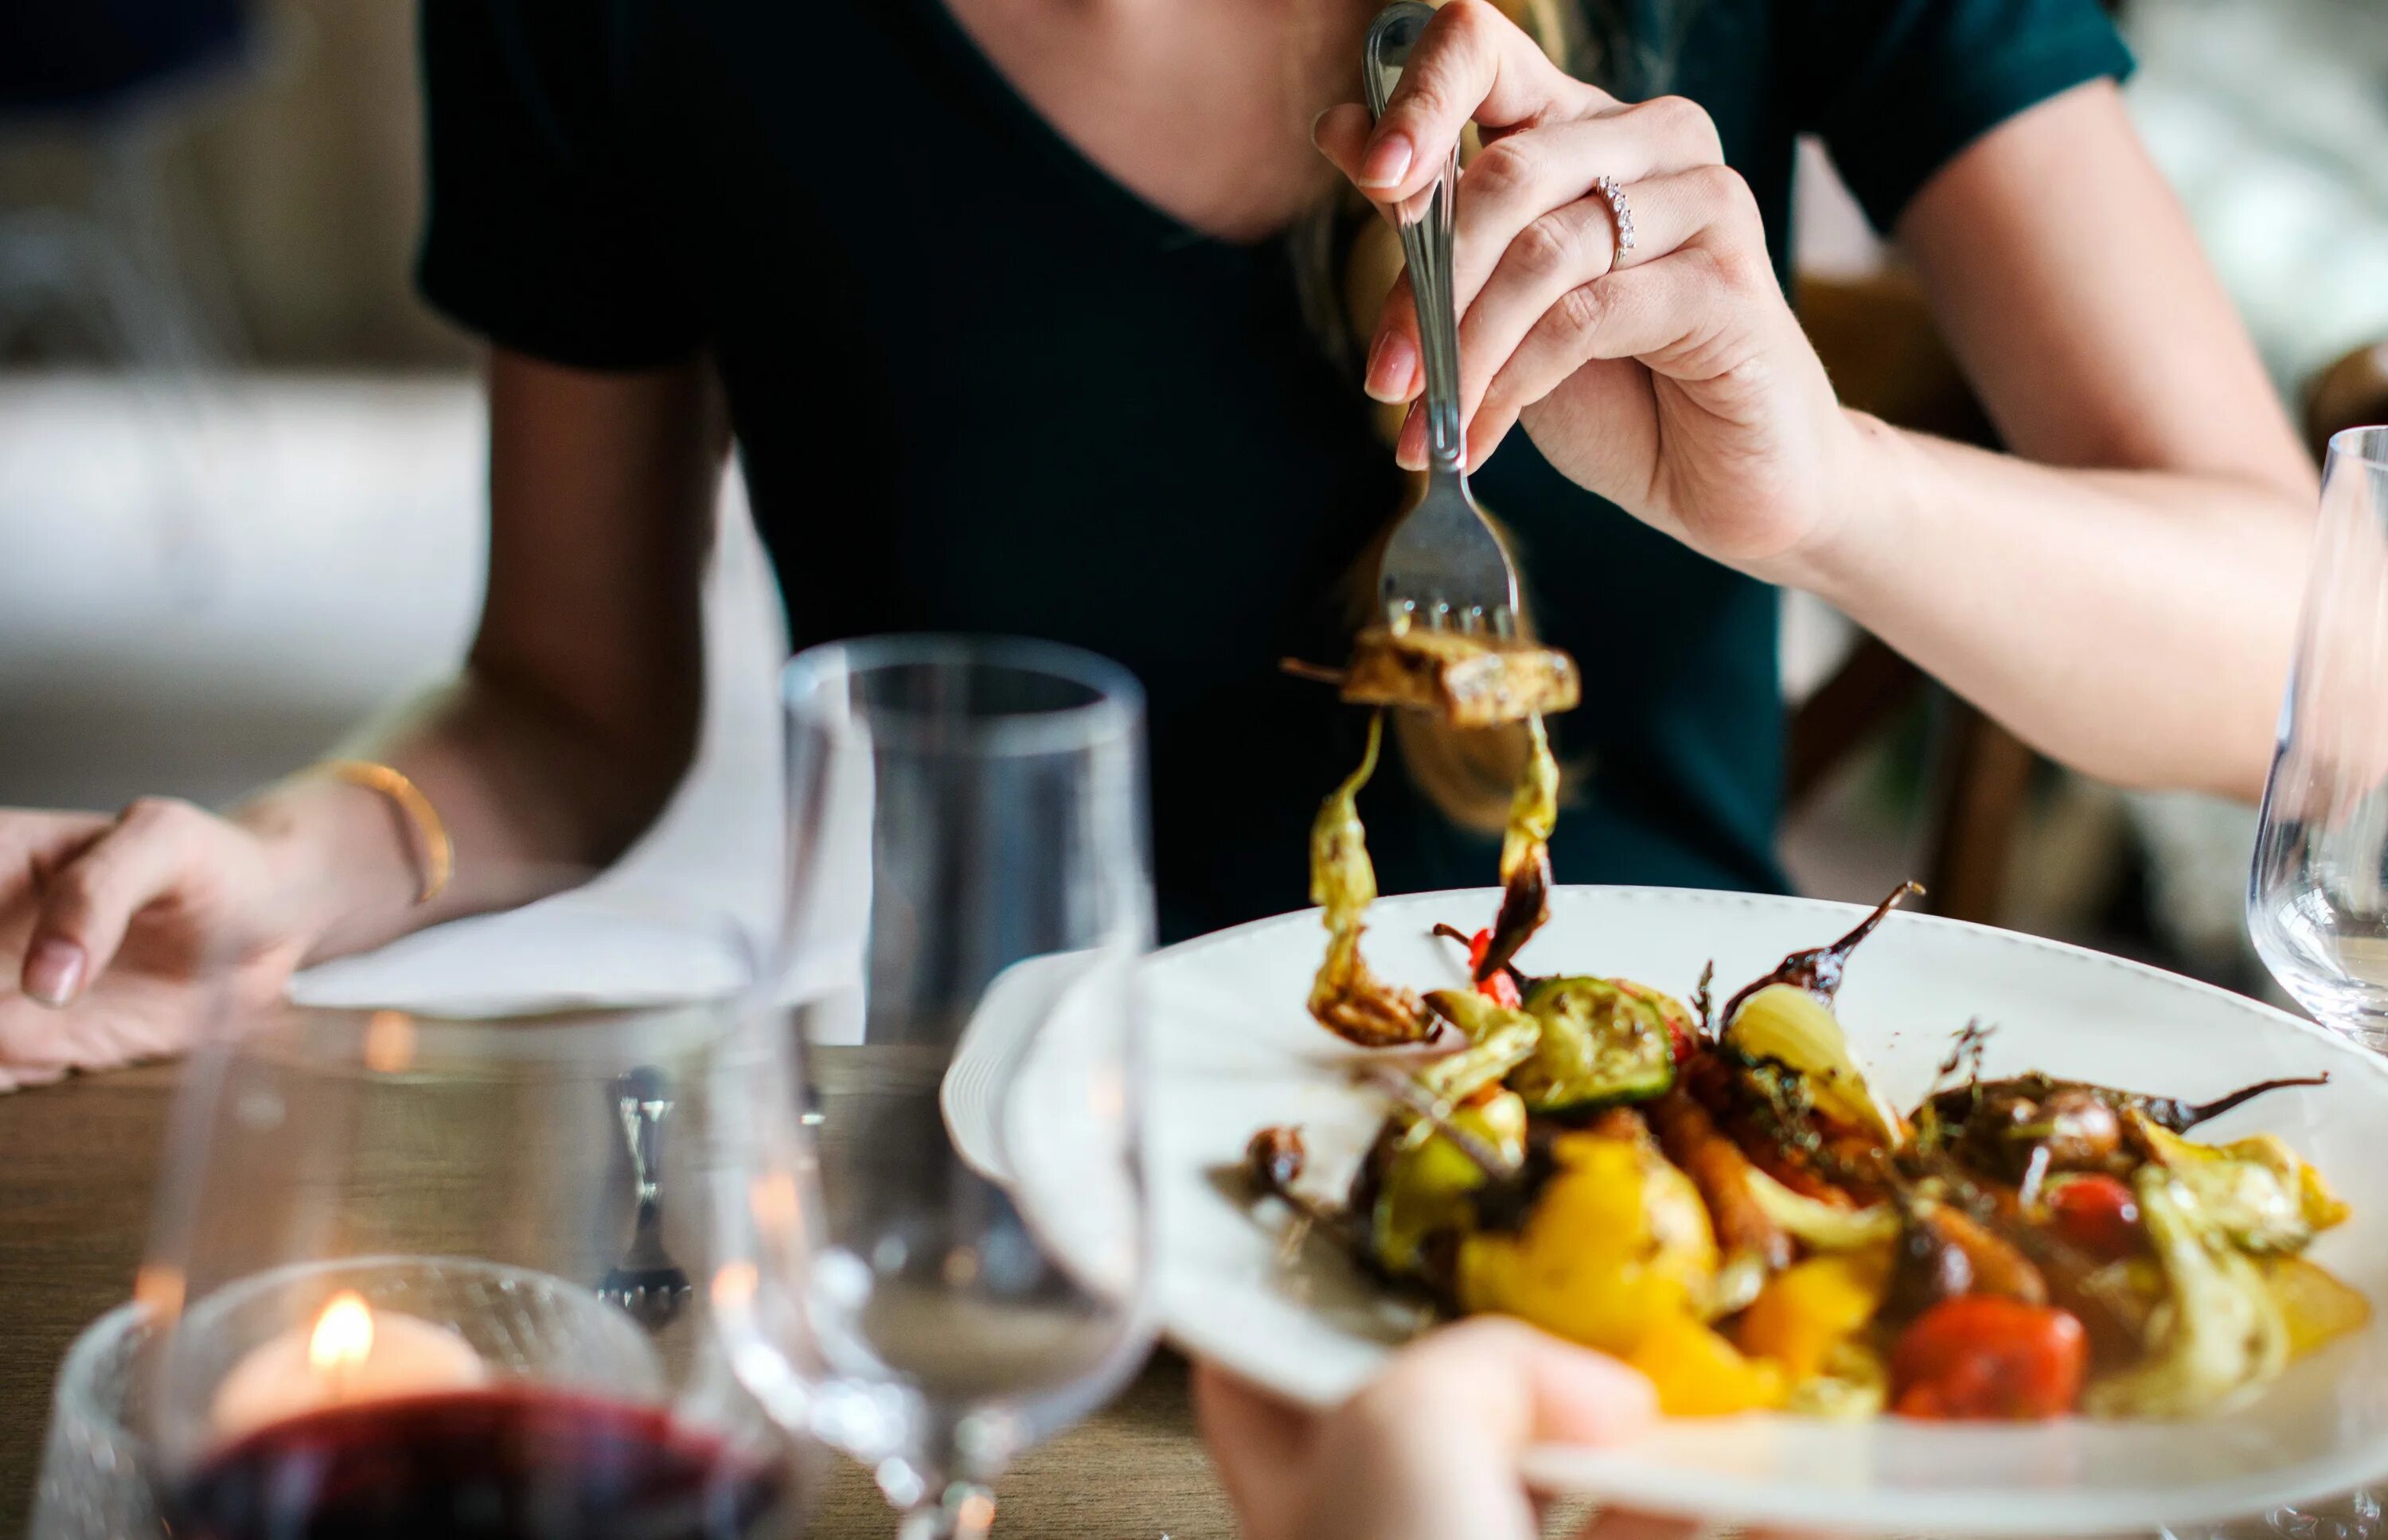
[1501,989]
[1981,1356]
[2098,1214]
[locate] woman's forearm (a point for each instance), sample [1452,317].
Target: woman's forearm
[531,800]
[578,711]
[2134,625]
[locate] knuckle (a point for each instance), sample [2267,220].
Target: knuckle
[152,814]
[1468,20]
[1547,246]
[1684,121]
[1582,310]
[1501,170]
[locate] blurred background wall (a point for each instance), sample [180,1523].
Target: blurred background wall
[240,465]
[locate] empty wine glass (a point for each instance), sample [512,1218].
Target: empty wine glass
[381,1257]
[2318,893]
[2317,896]
[971,893]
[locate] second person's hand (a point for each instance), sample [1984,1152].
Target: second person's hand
[1430,1449]
[120,935]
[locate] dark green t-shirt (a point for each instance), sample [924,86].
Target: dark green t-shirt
[981,387]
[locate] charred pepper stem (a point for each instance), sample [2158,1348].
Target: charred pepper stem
[1819,971]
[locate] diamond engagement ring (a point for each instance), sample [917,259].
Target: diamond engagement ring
[1623,211]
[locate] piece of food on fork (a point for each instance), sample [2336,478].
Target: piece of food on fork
[1469,679]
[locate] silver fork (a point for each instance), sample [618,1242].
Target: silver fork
[1444,567]
[646,1282]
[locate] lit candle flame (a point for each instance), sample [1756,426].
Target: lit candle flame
[344,1334]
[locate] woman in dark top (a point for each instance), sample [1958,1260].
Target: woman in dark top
[1016,312]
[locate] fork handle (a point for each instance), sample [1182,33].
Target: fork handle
[1426,242]
[642,1100]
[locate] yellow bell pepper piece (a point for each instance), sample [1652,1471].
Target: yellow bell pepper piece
[1619,1245]
[1699,1374]
[2317,1306]
[1810,1307]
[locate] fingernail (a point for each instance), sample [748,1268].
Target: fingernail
[1314,127]
[1386,163]
[53,971]
[1409,449]
[1390,363]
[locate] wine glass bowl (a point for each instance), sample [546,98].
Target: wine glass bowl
[970,894]
[2318,892]
[2318,888]
[378,1250]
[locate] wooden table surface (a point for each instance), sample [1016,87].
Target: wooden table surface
[77,1162]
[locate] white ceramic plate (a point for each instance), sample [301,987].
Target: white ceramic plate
[1231,1050]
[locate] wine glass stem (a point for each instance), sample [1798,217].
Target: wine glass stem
[964,1510]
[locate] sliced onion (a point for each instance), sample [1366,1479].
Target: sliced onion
[1818,1225]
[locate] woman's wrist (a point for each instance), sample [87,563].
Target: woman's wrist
[337,860]
[1870,485]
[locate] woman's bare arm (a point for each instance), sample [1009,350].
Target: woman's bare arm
[2122,590]
[576,711]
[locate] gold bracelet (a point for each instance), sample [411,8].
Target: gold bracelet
[436,856]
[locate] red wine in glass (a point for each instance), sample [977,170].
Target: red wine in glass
[511,1463]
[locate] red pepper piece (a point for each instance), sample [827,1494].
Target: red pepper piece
[1502,988]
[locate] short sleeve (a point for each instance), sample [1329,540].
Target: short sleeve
[1895,88]
[537,234]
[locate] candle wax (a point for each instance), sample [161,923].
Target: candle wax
[279,1378]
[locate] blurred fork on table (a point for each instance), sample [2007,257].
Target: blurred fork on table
[1444,567]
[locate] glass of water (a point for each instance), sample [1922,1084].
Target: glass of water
[969,895]
[2318,897]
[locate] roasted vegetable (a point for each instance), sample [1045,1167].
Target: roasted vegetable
[2021,1101]
[2256,1190]
[1789,1026]
[2097,1213]
[1822,1226]
[1500,986]
[1807,1311]
[1466,678]
[2315,1308]
[1347,998]
[1603,1041]
[1992,1265]
[1525,855]
[1698,1373]
[1818,972]
[1983,1358]
[2220,1328]
[1725,1178]
[1615,1244]
[1427,1184]
[1854,1382]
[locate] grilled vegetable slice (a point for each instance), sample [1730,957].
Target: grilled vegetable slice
[1426,1185]
[1604,1041]
[2220,1329]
